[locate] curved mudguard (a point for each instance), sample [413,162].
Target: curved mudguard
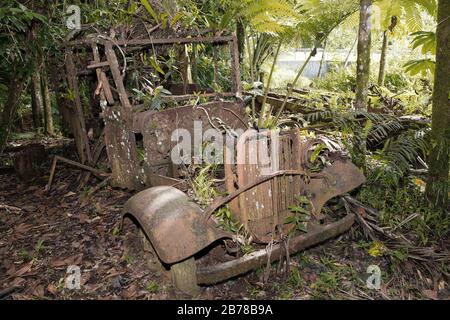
[176,227]
[341,177]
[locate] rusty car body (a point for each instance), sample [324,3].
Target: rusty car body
[259,193]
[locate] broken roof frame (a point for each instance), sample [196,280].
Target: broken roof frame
[119,132]
[230,40]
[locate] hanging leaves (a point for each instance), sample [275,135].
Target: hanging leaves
[422,66]
[426,40]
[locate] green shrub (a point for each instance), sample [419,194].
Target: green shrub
[397,81]
[341,79]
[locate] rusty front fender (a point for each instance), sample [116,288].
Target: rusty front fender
[174,225]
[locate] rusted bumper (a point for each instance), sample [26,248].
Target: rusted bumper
[223,271]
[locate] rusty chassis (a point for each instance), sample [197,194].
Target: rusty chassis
[226,270]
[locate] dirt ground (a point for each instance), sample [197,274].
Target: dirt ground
[43,233]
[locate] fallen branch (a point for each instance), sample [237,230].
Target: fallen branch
[98,148]
[9,208]
[367,218]
[394,240]
[95,189]
[99,186]
[367,230]
[6,292]
[98,173]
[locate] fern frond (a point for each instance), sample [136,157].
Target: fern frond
[413,18]
[400,153]
[430,6]
[269,16]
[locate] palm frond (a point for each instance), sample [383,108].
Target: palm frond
[425,40]
[422,66]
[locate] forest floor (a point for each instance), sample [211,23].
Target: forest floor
[43,233]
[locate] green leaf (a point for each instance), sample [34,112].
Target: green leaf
[296,209]
[156,103]
[165,92]
[422,66]
[164,19]
[289,220]
[155,65]
[226,19]
[177,17]
[303,199]
[301,227]
[150,10]
[316,152]
[132,8]
[426,40]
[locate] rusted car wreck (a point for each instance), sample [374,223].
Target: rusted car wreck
[260,193]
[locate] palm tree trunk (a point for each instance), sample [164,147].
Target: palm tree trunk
[48,118]
[438,175]
[363,63]
[15,89]
[383,59]
[36,97]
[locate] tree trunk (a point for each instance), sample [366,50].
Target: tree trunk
[363,63]
[36,97]
[240,34]
[362,78]
[216,68]
[194,65]
[14,92]
[438,176]
[184,68]
[383,59]
[48,117]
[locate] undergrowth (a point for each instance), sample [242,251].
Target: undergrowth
[397,203]
[205,191]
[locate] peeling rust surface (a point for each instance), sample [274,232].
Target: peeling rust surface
[157,129]
[121,149]
[264,208]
